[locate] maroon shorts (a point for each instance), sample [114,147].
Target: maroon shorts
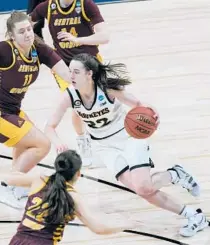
[24,239]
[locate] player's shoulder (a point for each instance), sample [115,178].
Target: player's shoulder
[41,46]
[38,183]
[6,56]
[5,45]
[43,50]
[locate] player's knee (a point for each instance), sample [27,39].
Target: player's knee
[44,146]
[144,190]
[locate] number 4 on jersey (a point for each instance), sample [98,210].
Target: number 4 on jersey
[72,31]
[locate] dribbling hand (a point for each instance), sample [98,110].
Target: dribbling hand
[156,115]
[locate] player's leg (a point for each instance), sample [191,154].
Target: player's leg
[138,178]
[140,181]
[176,175]
[35,147]
[19,192]
[17,151]
[83,140]
[31,146]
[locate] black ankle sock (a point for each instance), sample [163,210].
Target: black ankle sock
[3,184]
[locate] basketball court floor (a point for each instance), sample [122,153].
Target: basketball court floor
[166,47]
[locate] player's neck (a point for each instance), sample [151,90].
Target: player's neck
[24,51]
[65,3]
[88,92]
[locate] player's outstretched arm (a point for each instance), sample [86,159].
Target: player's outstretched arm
[98,222]
[58,112]
[62,70]
[18,179]
[125,97]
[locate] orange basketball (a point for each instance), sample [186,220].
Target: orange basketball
[140,123]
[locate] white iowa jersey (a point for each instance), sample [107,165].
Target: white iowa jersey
[103,118]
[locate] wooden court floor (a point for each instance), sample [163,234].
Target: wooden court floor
[166,46]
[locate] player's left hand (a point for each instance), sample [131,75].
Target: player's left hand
[66,36]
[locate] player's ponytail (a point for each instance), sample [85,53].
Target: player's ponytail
[57,205]
[110,76]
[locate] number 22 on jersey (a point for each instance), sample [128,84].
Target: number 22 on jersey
[30,220]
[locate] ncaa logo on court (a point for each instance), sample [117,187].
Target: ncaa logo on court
[100,97]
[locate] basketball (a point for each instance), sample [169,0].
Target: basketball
[140,123]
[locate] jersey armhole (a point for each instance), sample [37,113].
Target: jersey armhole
[109,99]
[49,11]
[71,97]
[13,59]
[83,10]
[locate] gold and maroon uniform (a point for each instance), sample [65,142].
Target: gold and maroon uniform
[78,19]
[17,73]
[32,229]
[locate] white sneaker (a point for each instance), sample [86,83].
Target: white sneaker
[20,192]
[196,223]
[7,197]
[186,180]
[84,144]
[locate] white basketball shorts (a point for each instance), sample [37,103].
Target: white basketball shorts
[121,152]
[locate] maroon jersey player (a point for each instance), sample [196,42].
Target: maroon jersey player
[76,26]
[20,59]
[53,202]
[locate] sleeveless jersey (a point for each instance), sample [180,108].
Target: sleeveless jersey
[104,118]
[34,225]
[73,20]
[16,79]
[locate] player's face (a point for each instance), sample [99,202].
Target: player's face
[80,77]
[23,34]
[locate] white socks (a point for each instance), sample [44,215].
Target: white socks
[20,192]
[188,212]
[174,176]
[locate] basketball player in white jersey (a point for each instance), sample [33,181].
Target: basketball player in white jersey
[98,95]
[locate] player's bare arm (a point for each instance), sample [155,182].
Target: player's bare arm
[101,36]
[130,100]
[98,222]
[50,129]
[18,179]
[62,70]
[124,97]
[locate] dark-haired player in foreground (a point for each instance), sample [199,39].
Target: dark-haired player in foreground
[53,202]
